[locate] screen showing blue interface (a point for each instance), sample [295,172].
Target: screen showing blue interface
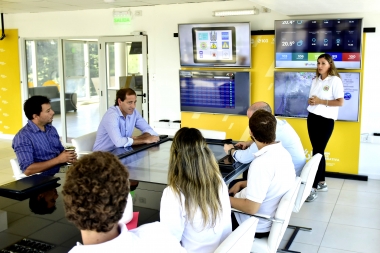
[300,42]
[214,91]
[291,92]
[208,92]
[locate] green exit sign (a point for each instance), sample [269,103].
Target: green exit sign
[122,19]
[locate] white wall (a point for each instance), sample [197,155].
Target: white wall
[160,22]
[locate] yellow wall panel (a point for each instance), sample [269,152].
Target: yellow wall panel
[10,91]
[342,152]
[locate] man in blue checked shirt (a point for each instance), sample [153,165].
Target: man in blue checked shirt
[117,125]
[37,145]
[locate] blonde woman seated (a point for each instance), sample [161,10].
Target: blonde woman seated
[195,206]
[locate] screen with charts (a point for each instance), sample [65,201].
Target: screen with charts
[215,92]
[291,92]
[300,42]
[215,44]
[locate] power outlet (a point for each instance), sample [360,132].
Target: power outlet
[138,13]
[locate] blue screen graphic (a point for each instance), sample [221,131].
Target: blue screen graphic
[207,92]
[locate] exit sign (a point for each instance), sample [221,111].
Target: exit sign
[122,17]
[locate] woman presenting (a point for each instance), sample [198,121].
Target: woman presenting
[325,98]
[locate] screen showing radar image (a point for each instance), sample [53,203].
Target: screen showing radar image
[291,92]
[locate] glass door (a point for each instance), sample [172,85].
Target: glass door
[123,64]
[81,75]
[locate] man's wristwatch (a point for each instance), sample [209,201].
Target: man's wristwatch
[230,151]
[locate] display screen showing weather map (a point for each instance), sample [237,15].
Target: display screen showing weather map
[215,45]
[300,42]
[291,92]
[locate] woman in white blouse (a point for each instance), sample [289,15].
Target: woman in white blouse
[325,98]
[195,206]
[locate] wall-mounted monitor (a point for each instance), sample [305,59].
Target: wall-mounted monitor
[215,91]
[300,42]
[215,44]
[291,92]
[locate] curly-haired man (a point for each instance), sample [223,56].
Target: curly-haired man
[95,196]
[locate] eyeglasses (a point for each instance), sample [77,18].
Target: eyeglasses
[252,138]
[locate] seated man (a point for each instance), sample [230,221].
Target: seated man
[37,145]
[284,133]
[95,196]
[117,125]
[270,175]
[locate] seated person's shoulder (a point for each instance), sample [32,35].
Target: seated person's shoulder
[155,237]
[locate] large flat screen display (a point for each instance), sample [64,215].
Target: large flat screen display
[215,91]
[300,42]
[291,92]
[215,45]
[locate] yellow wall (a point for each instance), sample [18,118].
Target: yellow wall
[342,152]
[10,91]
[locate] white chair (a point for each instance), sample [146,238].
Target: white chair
[241,239]
[128,211]
[280,222]
[307,179]
[84,144]
[17,172]
[212,134]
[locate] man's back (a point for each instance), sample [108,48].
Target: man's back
[152,237]
[289,140]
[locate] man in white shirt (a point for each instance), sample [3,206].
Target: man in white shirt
[284,133]
[271,175]
[95,196]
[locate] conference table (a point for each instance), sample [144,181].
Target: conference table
[147,164]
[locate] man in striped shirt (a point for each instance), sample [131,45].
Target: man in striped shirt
[37,145]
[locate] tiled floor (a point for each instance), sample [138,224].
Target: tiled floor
[344,219]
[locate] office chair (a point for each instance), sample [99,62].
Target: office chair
[241,239]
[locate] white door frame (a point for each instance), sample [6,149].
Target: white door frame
[103,73]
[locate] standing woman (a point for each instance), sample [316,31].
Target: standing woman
[325,98]
[195,206]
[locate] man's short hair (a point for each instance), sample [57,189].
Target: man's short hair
[95,192]
[33,105]
[260,106]
[122,93]
[40,205]
[263,126]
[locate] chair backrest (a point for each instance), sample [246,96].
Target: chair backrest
[284,211]
[84,142]
[212,134]
[17,172]
[241,239]
[307,179]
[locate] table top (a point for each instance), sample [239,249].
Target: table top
[151,163]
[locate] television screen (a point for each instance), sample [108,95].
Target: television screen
[300,42]
[215,92]
[291,92]
[215,45]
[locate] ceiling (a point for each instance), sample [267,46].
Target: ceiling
[286,7]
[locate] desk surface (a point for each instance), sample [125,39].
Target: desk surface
[151,164]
